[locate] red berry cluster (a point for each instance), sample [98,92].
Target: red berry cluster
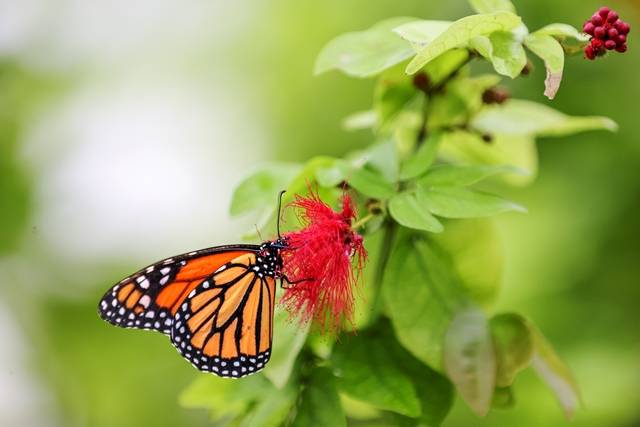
[607,31]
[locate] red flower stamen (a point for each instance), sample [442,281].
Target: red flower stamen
[320,262]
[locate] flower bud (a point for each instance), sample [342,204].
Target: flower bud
[604,11]
[599,33]
[588,28]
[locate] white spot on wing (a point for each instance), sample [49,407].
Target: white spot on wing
[144,301]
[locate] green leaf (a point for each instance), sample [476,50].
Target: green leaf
[422,160]
[330,176]
[477,255]
[488,6]
[285,350]
[357,409]
[453,175]
[503,398]
[469,359]
[435,392]
[367,182]
[319,403]
[422,32]
[554,372]
[551,52]
[513,346]
[367,372]
[405,134]
[306,176]
[421,292]
[410,210]
[470,90]
[448,111]
[298,185]
[446,64]
[519,117]
[360,120]
[459,34]
[382,157]
[504,50]
[262,188]
[457,202]
[391,96]
[365,53]
[272,409]
[516,150]
[563,31]
[224,398]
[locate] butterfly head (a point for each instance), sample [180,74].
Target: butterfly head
[270,256]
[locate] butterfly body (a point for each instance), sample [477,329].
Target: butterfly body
[216,305]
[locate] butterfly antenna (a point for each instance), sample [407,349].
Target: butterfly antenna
[279,211]
[258,231]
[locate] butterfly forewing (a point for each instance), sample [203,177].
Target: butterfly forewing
[150,298]
[225,325]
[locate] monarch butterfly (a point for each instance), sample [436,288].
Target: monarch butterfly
[216,304]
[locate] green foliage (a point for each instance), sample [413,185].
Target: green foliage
[517,151]
[365,53]
[422,160]
[421,292]
[504,50]
[22,90]
[563,32]
[513,346]
[551,52]
[456,202]
[411,209]
[476,254]
[367,372]
[488,6]
[319,403]
[447,175]
[207,391]
[460,33]
[519,117]
[421,33]
[555,373]
[427,187]
[469,358]
[257,191]
[285,350]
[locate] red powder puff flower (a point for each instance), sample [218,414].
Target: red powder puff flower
[320,261]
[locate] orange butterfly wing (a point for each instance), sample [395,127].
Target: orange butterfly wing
[150,298]
[225,325]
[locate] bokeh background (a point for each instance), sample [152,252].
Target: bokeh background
[124,127]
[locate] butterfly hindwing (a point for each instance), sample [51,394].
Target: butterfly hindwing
[150,298]
[225,325]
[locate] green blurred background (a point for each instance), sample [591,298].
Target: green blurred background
[124,127]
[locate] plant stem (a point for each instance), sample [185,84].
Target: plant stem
[434,91]
[388,240]
[362,221]
[390,226]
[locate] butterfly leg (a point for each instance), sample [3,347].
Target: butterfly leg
[291,283]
